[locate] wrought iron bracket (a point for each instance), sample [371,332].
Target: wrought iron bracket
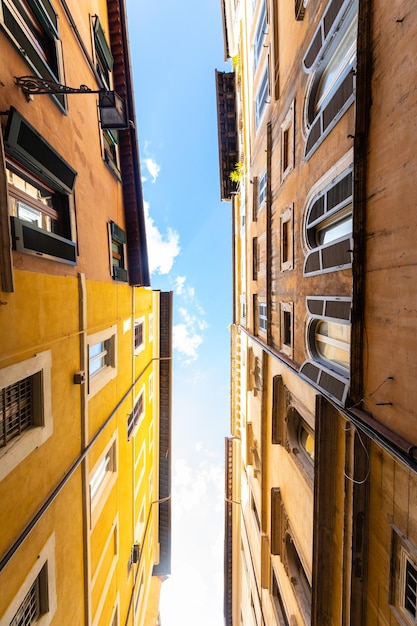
[32,85]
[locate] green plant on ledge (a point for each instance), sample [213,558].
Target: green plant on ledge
[237,173]
[236,65]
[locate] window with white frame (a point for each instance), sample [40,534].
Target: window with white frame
[331,58]
[36,602]
[135,416]
[262,96]
[32,26]
[102,479]
[287,240]
[102,359]
[262,190]
[25,409]
[102,473]
[260,33]
[150,322]
[139,334]
[262,317]
[328,227]
[287,143]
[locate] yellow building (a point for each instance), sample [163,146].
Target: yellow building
[85,354]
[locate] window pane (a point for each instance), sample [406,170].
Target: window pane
[333,342]
[98,357]
[100,474]
[343,55]
[335,230]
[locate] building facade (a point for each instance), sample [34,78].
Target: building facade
[85,354]
[316,126]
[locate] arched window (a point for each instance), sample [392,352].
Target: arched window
[328,343]
[328,227]
[331,57]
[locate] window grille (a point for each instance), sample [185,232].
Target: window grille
[16,409]
[134,416]
[29,610]
[262,316]
[410,590]
[138,334]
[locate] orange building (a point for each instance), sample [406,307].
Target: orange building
[316,126]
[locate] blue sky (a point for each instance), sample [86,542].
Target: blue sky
[175,49]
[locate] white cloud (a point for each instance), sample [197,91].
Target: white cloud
[179,285]
[162,250]
[152,167]
[197,507]
[188,333]
[186,341]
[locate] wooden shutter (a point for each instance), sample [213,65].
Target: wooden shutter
[23,142]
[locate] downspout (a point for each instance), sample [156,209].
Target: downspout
[84,441]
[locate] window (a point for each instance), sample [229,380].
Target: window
[35,602]
[255,258]
[135,415]
[102,359]
[25,409]
[287,244]
[32,25]
[139,330]
[286,328]
[262,96]
[151,327]
[300,7]
[287,143]
[332,342]
[328,227]
[262,190]
[403,591]
[277,601]
[110,141]
[243,310]
[328,342]
[40,185]
[104,66]
[102,472]
[118,257]
[332,57]
[298,578]
[255,512]
[103,55]
[102,480]
[262,317]
[300,443]
[260,34]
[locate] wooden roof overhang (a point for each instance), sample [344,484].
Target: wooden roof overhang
[227,131]
[163,568]
[137,249]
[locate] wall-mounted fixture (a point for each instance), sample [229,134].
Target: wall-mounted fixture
[112,107]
